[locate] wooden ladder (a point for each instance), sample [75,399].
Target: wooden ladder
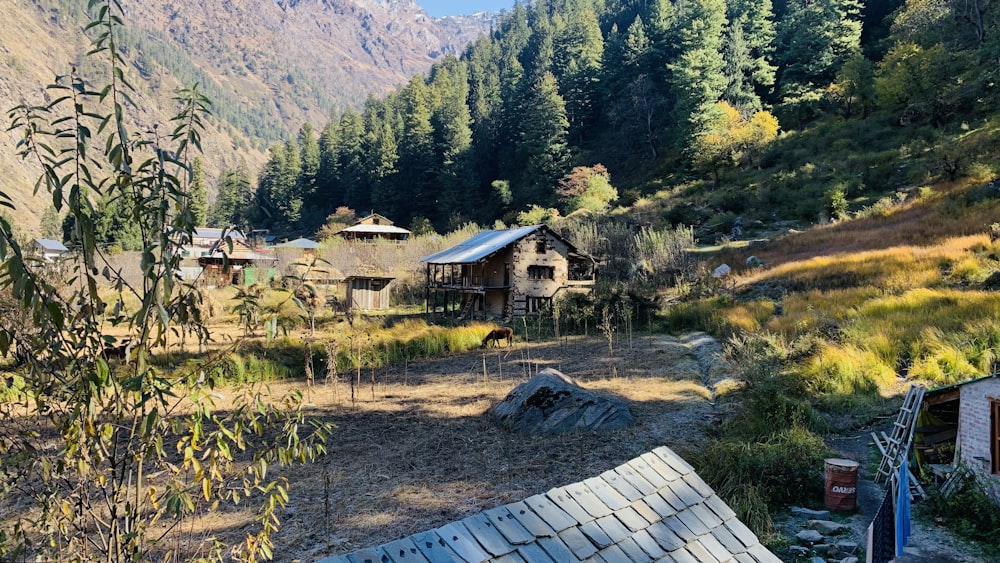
[467,308]
[896,447]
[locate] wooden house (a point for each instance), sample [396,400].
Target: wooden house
[513,272]
[241,265]
[374,227]
[368,293]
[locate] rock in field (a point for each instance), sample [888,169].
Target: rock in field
[553,403]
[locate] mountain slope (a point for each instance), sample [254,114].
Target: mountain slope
[269,66]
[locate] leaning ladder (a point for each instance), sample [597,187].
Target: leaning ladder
[896,447]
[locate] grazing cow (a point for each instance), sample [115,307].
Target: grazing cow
[498,334]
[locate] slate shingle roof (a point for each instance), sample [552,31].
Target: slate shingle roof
[653,508]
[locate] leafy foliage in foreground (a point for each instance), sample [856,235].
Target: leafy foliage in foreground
[99,457]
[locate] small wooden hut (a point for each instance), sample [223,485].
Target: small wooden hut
[368,293]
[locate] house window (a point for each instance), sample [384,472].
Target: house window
[541,272]
[539,304]
[995,436]
[540,247]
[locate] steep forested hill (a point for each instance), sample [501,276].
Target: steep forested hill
[268,66]
[797,110]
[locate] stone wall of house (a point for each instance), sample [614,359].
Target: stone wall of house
[974,425]
[538,250]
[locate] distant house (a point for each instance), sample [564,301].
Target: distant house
[513,272]
[374,227]
[961,424]
[204,238]
[240,266]
[368,293]
[49,250]
[305,245]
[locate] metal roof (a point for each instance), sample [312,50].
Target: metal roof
[303,243]
[214,233]
[480,246]
[652,508]
[51,245]
[374,229]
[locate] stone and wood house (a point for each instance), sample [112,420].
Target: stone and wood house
[374,227]
[505,273]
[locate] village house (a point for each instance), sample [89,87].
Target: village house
[512,272]
[49,250]
[240,265]
[960,424]
[374,227]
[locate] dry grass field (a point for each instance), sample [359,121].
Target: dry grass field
[419,448]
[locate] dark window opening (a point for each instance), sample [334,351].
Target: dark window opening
[540,247]
[538,305]
[541,272]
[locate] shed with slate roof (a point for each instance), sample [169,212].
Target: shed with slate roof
[653,508]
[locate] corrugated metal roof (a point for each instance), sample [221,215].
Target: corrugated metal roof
[381,229]
[653,508]
[480,246]
[212,232]
[52,245]
[945,388]
[300,243]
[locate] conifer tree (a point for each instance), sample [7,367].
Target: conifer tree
[749,48]
[814,40]
[233,200]
[697,74]
[199,193]
[543,148]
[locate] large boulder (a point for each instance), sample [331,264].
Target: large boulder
[553,403]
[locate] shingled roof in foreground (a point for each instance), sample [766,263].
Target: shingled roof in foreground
[653,508]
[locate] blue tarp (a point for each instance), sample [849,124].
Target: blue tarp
[902,508]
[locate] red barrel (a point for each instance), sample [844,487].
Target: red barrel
[841,491]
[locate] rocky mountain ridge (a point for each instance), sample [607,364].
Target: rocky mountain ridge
[268,65]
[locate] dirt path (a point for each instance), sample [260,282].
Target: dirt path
[928,542]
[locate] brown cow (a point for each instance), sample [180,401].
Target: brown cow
[498,334]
